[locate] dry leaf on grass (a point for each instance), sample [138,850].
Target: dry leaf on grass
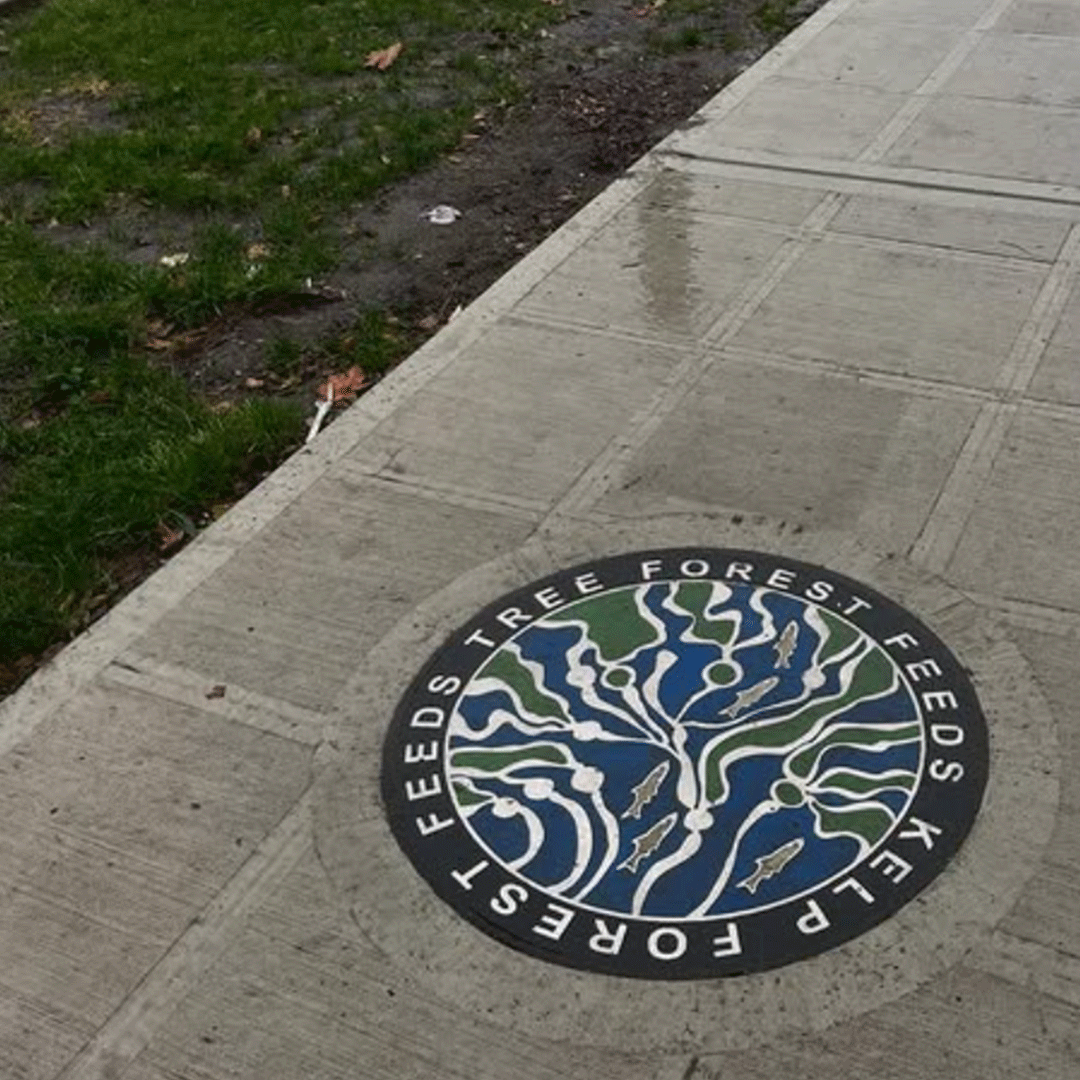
[344,386]
[381,59]
[168,537]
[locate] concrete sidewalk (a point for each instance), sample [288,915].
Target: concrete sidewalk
[837,316]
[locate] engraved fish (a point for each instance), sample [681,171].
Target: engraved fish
[745,698]
[648,842]
[770,865]
[785,647]
[645,792]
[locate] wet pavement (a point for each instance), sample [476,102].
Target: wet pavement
[836,319]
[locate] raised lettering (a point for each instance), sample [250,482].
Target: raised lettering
[781,579]
[429,716]
[510,896]
[814,921]
[423,788]
[695,568]
[554,921]
[465,879]
[939,699]
[891,865]
[447,685]
[819,590]
[549,599]
[856,887]
[513,617]
[920,669]
[477,638]
[587,583]
[433,824]
[675,947]
[729,943]
[902,641]
[417,752]
[947,734]
[740,570]
[940,769]
[855,605]
[921,830]
[650,568]
[606,940]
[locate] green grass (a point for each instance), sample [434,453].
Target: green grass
[215,106]
[776,17]
[96,483]
[234,124]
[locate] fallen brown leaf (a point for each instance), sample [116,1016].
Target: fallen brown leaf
[168,537]
[216,691]
[344,386]
[254,384]
[258,251]
[383,58]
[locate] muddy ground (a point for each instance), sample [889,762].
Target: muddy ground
[599,94]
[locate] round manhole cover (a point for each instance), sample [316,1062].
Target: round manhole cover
[685,763]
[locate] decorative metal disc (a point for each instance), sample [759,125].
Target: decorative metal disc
[685,764]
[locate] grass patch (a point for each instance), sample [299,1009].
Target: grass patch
[776,18]
[252,125]
[96,480]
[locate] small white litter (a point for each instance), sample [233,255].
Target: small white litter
[322,408]
[442,215]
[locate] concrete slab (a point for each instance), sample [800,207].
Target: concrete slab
[994,139]
[1039,70]
[754,200]
[1057,377]
[881,56]
[320,585]
[1046,911]
[886,308]
[981,229]
[784,443]
[101,877]
[1059,18]
[658,273]
[1018,540]
[831,120]
[555,409]
[963,13]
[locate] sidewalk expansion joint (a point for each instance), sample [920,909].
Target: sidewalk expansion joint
[888,176]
